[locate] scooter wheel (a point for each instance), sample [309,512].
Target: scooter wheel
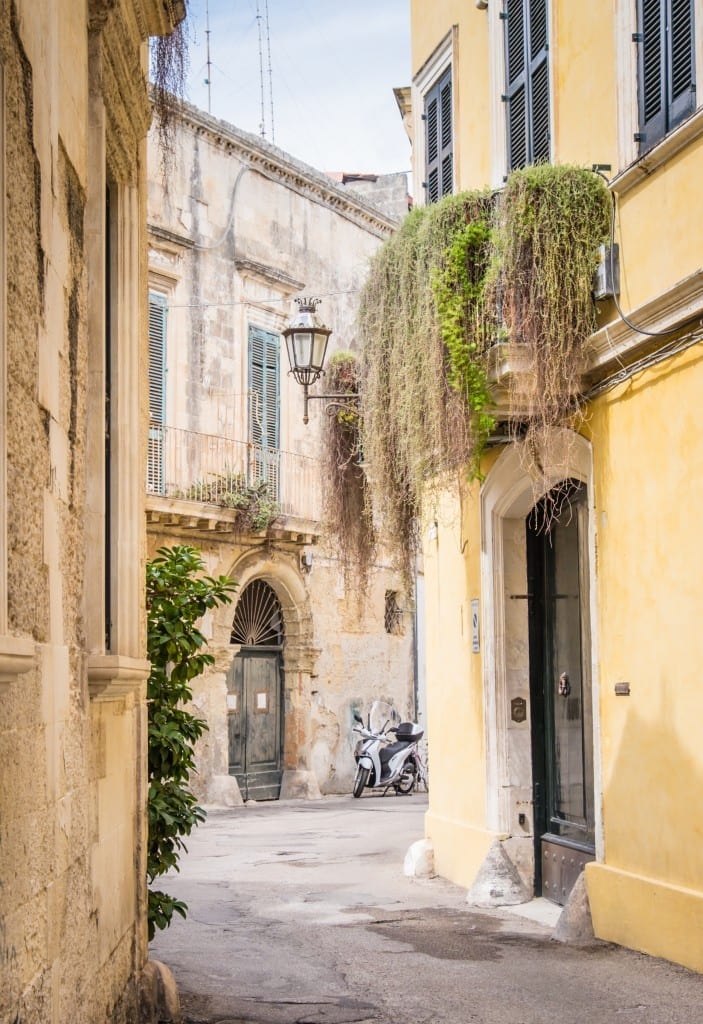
[362,777]
[406,782]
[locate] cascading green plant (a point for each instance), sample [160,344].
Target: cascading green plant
[345,485]
[460,276]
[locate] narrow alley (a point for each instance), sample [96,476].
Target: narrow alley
[300,914]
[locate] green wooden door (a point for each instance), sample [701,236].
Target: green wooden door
[255,693]
[254,723]
[560,691]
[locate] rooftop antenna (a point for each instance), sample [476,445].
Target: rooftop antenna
[270,69]
[262,123]
[208,80]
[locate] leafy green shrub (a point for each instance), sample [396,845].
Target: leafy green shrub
[177,596]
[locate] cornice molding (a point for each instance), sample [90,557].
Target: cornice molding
[268,275]
[638,171]
[276,165]
[617,343]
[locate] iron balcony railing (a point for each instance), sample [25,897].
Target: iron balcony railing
[206,468]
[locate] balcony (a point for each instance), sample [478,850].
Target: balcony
[202,482]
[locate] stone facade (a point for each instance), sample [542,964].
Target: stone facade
[73,117]
[241,228]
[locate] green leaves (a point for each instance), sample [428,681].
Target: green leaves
[177,597]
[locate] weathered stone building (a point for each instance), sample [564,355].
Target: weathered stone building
[240,230]
[74,114]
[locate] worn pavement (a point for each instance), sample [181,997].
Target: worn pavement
[300,914]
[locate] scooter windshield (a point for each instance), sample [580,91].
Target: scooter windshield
[382,716]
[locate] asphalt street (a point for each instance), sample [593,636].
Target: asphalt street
[300,914]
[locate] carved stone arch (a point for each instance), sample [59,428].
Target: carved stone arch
[507,495]
[299,657]
[287,583]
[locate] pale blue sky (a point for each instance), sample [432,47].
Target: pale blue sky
[334,66]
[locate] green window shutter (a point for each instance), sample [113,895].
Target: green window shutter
[527,82]
[155,483]
[157,357]
[666,64]
[439,143]
[264,387]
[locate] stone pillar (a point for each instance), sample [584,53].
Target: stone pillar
[299,781]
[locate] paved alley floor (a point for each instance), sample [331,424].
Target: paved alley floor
[299,913]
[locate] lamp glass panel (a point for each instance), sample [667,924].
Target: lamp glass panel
[319,349]
[302,344]
[291,349]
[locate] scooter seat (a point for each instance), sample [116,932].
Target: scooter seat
[392,748]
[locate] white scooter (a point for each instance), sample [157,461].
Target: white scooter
[382,763]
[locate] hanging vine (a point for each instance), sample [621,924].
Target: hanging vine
[459,277]
[550,223]
[424,385]
[345,486]
[169,69]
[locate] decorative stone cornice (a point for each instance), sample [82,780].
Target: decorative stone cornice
[268,275]
[614,346]
[278,166]
[617,343]
[687,132]
[197,518]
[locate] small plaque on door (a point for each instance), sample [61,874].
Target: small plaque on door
[232,702]
[261,701]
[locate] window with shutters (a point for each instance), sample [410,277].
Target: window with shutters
[264,399]
[527,81]
[666,67]
[155,483]
[439,148]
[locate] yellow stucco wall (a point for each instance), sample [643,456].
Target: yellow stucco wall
[650,608]
[471,80]
[646,891]
[456,819]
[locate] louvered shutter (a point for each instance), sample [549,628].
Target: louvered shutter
[665,67]
[264,350]
[157,357]
[681,60]
[539,83]
[527,82]
[157,392]
[439,148]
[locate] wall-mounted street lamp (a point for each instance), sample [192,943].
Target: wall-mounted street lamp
[306,340]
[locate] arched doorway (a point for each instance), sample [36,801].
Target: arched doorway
[539,623]
[255,693]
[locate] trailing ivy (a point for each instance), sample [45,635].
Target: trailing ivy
[550,224]
[345,486]
[177,596]
[460,277]
[424,390]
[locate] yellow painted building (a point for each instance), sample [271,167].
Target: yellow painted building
[564,701]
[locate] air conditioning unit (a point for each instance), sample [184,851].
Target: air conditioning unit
[606,280]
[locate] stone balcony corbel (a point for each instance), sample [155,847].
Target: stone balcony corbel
[17,656]
[114,676]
